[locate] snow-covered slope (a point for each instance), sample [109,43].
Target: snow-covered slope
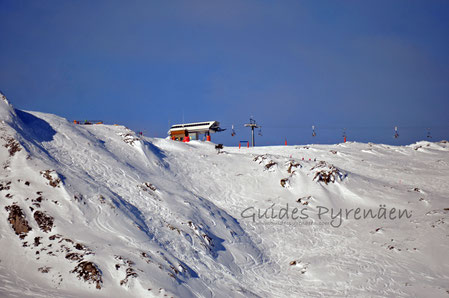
[95,210]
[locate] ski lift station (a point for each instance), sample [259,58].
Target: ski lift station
[193,131]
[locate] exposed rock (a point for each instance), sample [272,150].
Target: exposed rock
[328,173]
[3,97]
[150,186]
[79,246]
[146,257]
[37,241]
[129,138]
[173,228]
[79,198]
[12,145]
[18,221]
[260,158]
[44,221]
[302,266]
[304,200]
[264,159]
[269,165]
[89,272]
[53,237]
[207,239]
[52,177]
[5,186]
[44,269]
[291,164]
[129,273]
[102,199]
[285,182]
[74,256]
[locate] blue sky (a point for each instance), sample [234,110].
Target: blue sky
[366,66]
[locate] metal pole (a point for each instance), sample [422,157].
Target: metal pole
[252,123]
[252,135]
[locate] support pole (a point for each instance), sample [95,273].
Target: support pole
[252,123]
[252,137]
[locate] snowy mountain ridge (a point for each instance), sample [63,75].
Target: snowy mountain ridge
[96,210]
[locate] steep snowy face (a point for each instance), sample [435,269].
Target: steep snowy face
[7,113]
[3,98]
[99,208]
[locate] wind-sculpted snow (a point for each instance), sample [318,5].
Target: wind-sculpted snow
[98,210]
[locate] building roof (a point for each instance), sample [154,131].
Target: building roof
[199,127]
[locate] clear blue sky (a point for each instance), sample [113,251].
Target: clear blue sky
[363,65]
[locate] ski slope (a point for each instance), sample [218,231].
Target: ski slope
[100,211]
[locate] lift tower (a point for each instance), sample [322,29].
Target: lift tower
[252,123]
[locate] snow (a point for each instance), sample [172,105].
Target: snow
[167,216]
[6,110]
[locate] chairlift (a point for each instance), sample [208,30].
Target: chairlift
[344,133]
[233,131]
[429,136]
[260,131]
[396,134]
[313,131]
